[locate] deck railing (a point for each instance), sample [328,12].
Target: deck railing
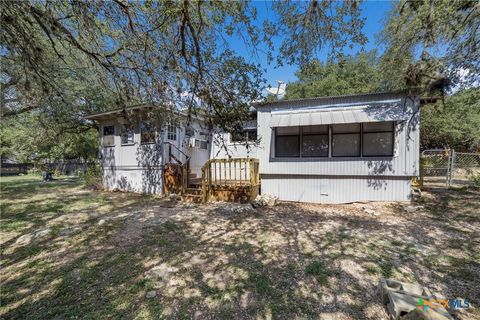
[230,173]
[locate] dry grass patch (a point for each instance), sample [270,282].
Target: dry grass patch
[97,254]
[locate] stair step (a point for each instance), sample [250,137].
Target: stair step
[194,198]
[195,181]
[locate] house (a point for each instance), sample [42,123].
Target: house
[327,150]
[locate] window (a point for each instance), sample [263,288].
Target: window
[244,135]
[377,139]
[108,139]
[346,140]
[189,132]
[127,135]
[287,142]
[171,132]
[147,133]
[315,141]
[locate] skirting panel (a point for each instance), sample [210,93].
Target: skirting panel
[335,189]
[144,180]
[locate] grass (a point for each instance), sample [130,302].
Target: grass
[290,261]
[320,271]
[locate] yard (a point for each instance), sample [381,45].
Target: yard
[71,252]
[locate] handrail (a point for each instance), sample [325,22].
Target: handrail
[187,157]
[184,165]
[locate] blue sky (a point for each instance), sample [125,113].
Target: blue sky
[374,13]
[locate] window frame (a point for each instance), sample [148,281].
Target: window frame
[392,153]
[172,133]
[359,133]
[330,136]
[151,130]
[246,134]
[123,131]
[288,135]
[108,135]
[302,134]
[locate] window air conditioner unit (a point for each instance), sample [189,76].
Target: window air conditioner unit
[191,142]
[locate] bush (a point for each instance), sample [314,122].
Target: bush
[475,178]
[93,176]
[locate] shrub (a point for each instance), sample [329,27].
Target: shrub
[475,178]
[93,176]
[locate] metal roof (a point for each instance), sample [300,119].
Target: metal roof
[331,99]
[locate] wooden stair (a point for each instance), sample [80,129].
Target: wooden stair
[193,193]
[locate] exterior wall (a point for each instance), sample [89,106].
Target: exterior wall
[223,146]
[133,167]
[139,167]
[233,149]
[336,189]
[345,179]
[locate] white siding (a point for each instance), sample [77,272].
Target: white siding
[133,167]
[331,189]
[223,147]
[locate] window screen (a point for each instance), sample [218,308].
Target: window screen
[315,141]
[378,139]
[127,135]
[346,140]
[287,142]
[147,133]
[108,138]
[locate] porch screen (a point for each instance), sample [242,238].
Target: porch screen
[346,140]
[287,142]
[315,141]
[378,139]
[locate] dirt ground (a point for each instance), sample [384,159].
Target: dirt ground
[69,252]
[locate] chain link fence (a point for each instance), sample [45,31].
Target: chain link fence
[449,168]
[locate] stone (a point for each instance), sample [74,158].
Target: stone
[29,237]
[370,211]
[101,222]
[410,209]
[25,239]
[175,197]
[151,294]
[264,200]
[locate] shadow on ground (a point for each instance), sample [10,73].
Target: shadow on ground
[104,252]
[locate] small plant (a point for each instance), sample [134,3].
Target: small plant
[475,179]
[93,176]
[319,271]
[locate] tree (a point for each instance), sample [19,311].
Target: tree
[442,39]
[172,54]
[30,137]
[454,123]
[354,74]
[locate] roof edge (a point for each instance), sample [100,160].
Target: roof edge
[321,98]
